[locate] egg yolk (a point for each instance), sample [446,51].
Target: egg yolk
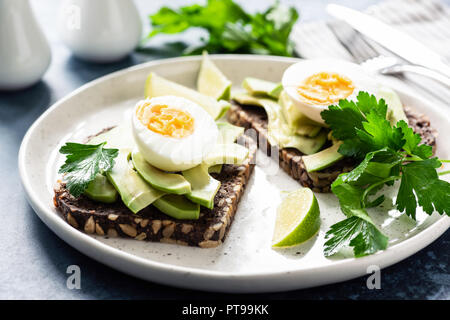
[325,88]
[166,120]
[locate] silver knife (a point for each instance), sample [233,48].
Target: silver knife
[392,39]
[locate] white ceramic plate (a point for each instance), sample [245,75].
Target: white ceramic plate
[245,262]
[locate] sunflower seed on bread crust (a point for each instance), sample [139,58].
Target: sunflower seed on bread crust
[290,160]
[150,224]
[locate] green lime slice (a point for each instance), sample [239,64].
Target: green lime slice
[211,81]
[298,218]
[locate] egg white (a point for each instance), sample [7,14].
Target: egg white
[176,154]
[297,73]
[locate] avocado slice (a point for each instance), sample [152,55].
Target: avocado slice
[229,153]
[305,144]
[136,194]
[245,99]
[158,179]
[204,187]
[395,108]
[309,131]
[178,207]
[215,168]
[261,87]
[158,86]
[322,159]
[297,121]
[229,133]
[119,137]
[276,91]
[280,134]
[100,189]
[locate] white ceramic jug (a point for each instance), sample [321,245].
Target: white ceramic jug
[24,50]
[100,30]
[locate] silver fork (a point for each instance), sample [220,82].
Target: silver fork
[392,66]
[370,58]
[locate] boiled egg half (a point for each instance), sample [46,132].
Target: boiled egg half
[173,133]
[315,84]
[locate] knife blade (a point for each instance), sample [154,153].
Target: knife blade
[390,38]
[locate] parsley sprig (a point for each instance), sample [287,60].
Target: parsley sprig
[386,153]
[83,163]
[230,29]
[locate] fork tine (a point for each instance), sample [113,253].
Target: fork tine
[353,41]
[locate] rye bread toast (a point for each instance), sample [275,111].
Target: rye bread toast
[290,160]
[150,224]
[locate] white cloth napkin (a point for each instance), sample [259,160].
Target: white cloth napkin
[426,20]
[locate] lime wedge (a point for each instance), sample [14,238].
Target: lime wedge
[298,218]
[211,81]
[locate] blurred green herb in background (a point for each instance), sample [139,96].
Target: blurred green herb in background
[230,28]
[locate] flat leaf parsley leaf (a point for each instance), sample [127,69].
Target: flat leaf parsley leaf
[83,162]
[356,232]
[420,179]
[412,145]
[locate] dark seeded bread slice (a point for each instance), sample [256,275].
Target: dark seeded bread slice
[251,117]
[150,224]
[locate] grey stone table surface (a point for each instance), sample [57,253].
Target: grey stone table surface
[33,260]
